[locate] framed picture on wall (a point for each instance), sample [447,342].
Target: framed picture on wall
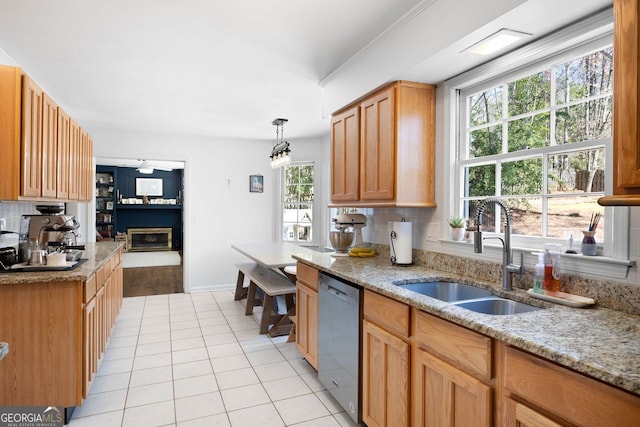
[256,183]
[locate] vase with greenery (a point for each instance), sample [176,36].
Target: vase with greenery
[458,225]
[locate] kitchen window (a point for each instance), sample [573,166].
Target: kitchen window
[297,203]
[537,138]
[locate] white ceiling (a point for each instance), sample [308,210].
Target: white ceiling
[226,69]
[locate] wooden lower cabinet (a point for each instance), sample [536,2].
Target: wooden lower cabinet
[307,312]
[520,415]
[307,323]
[446,396]
[545,391]
[90,345]
[56,340]
[385,377]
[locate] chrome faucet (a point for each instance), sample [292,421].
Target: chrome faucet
[508,268]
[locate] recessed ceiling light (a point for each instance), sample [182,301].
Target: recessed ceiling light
[496,41]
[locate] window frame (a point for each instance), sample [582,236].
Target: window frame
[589,34]
[314,205]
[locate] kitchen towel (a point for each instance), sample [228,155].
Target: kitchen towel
[400,238]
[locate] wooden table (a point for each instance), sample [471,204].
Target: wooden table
[274,256]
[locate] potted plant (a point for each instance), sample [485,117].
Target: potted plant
[458,225]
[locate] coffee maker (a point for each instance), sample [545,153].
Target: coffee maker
[46,229]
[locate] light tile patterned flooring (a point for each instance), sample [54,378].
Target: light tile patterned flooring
[197,360]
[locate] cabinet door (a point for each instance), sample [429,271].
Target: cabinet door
[11,90]
[31,182]
[345,152]
[90,345]
[377,147]
[101,320]
[626,99]
[307,323]
[64,141]
[519,415]
[49,147]
[385,378]
[445,396]
[74,161]
[84,166]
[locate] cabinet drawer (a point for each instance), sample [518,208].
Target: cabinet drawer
[307,275]
[101,275]
[386,312]
[574,397]
[467,349]
[89,289]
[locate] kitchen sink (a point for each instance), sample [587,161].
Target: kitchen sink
[497,306]
[446,291]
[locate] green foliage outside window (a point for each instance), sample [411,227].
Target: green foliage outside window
[543,115]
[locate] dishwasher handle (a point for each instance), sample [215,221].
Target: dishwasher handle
[337,293]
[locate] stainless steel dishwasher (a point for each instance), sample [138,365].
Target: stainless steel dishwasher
[340,342]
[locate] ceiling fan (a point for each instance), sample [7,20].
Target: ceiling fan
[147,167]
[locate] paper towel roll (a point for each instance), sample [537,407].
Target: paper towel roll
[400,242]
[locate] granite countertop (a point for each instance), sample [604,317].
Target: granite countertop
[595,341]
[95,254]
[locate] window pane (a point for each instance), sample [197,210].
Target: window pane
[529,132]
[583,77]
[306,193]
[581,122]
[485,107]
[526,215]
[488,216]
[573,214]
[291,194]
[480,181]
[485,142]
[530,93]
[576,171]
[522,177]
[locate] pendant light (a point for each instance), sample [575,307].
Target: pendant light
[280,151]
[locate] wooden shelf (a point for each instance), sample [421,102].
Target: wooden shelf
[161,207]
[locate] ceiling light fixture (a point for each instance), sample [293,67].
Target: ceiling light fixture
[145,168]
[280,151]
[496,41]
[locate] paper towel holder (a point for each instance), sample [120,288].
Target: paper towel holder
[393,236]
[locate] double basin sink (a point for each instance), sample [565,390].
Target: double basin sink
[468,297]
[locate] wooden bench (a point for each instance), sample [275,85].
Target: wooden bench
[273,284]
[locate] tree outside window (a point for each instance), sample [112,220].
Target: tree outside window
[538,142]
[297,213]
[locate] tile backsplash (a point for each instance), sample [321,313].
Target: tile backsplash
[13,211]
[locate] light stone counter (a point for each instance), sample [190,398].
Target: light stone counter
[599,342]
[95,254]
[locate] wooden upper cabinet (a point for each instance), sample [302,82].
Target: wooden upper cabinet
[49,147]
[45,154]
[345,155]
[64,141]
[626,105]
[396,148]
[10,104]
[378,147]
[74,160]
[32,122]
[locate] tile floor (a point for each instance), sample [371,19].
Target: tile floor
[197,360]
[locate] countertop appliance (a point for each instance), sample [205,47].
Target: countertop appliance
[352,220]
[44,228]
[340,341]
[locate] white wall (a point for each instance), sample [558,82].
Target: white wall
[219,210]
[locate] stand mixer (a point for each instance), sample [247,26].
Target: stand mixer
[343,239]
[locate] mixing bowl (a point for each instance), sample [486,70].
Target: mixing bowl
[341,240]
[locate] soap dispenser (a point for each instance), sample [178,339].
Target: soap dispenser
[538,275]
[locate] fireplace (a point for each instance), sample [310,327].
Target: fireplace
[149,239]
